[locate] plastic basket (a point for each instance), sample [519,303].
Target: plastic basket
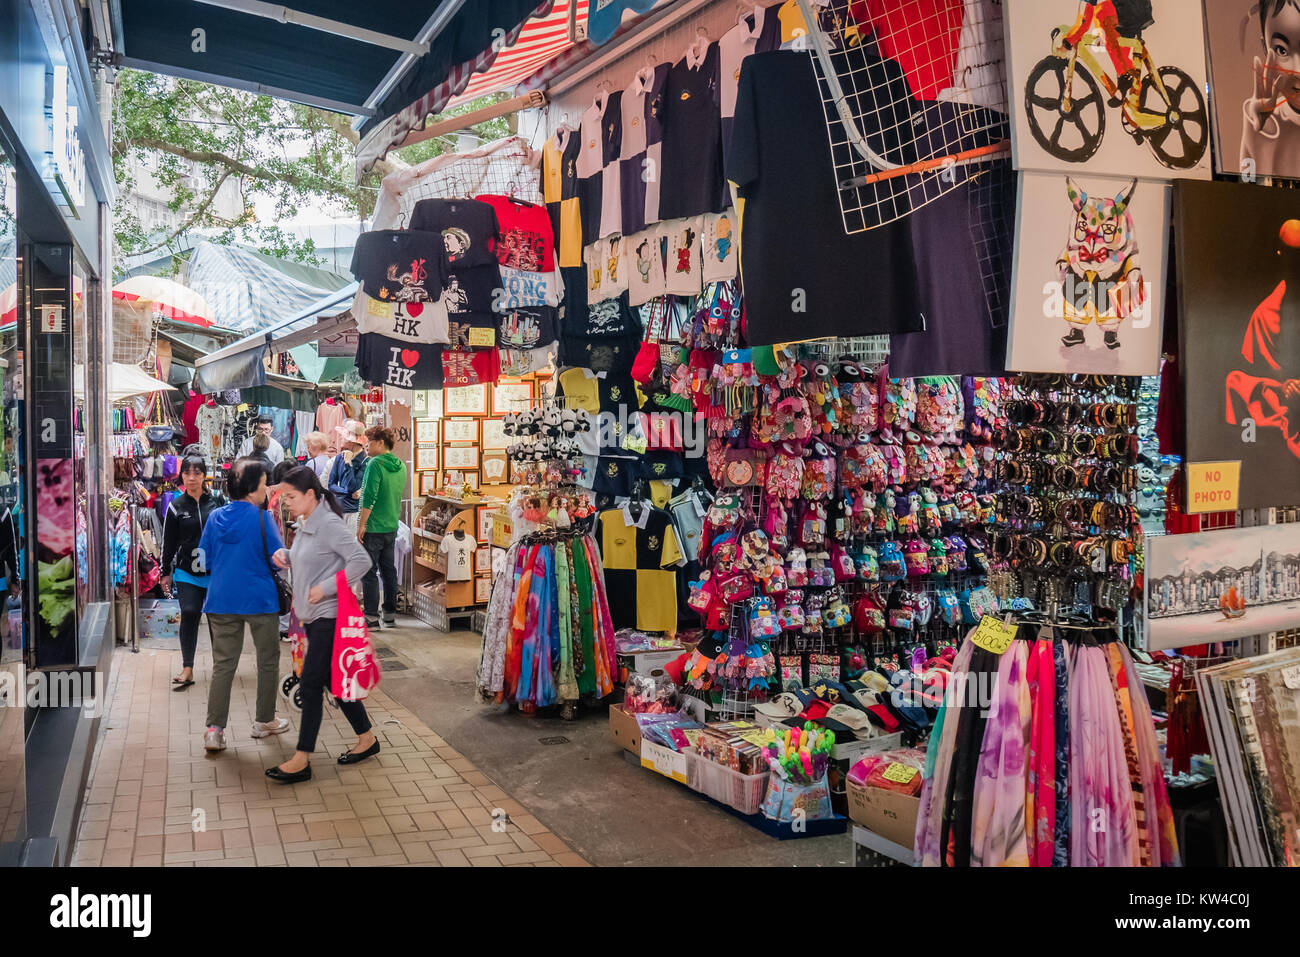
[744,792]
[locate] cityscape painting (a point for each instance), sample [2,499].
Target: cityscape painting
[1222,585]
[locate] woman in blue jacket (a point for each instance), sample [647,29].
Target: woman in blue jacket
[236,547]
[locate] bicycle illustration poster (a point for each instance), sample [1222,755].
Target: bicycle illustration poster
[1255,75]
[1109,87]
[1238,273]
[1088,284]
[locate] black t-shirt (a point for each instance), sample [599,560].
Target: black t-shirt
[476,289]
[468,227]
[528,328]
[609,318]
[803,277]
[399,265]
[691,177]
[384,361]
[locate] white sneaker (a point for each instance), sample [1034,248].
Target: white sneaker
[214,739]
[278,726]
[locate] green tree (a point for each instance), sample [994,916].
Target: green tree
[195,137]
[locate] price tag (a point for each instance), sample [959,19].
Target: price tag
[379,309]
[482,337]
[994,635]
[899,773]
[1291,677]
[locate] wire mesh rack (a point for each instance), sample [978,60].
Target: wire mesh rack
[901,142]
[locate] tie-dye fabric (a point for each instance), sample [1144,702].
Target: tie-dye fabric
[1061,838]
[998,806]
[1102,832]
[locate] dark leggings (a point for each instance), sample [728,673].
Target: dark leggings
[191,600]
[316,679]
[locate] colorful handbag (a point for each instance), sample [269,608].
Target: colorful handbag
[763,622]
[892,565]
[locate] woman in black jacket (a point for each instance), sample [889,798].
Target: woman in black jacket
[182,562]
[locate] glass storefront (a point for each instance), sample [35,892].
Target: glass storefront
[13,783]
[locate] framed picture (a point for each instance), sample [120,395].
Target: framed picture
[483,560]
[483,519]
[428,483]
[426,431]
[460,430]
[434,401]
[426,458]
[510,396]
[1082,304]
[495,467]
[493,434]
[459,477]
[1088,132]
[1238,247]
[466,400]
[464,457]
[1221,585]
[482,590]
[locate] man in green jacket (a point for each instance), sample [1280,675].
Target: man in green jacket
[382,490]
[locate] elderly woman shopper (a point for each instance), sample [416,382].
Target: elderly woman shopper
[322,547]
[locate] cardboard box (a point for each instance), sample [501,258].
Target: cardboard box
[887,813]
[623,726]
[646,662]
[671,764]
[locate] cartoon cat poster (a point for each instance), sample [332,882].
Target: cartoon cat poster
[1239,332]
[1090,264]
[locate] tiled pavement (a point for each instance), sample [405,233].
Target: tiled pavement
[156,798]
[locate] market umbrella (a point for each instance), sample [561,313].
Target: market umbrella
[169,298]
[124,381]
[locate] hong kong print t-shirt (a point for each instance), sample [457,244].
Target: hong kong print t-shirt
[468,229]
[528,328]
[523,289]
[399,265]
[527,241]
[384,361]
[412,322]
[475,290]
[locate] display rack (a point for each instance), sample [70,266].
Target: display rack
[434,600]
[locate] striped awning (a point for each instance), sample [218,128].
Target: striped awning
[540,41]
[392,132]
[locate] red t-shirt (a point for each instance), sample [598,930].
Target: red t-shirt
[921,36]
[527,241]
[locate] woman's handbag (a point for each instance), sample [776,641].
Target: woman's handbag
[354,669]
[282,590]
[646,363]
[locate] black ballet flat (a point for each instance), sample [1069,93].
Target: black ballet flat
[289,777]
[352,758]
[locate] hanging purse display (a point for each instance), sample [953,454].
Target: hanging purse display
[648,356]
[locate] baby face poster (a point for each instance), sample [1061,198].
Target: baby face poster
[1254,48]
[1239,331]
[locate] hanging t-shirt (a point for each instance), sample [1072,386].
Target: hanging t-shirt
[922,37]
[639,555]
[468,228]
[959,336]
[684,275]
[464,367]
[528,328]
[527,241]
[636,166]
[718,246]
[411,322]
[803,277]
[560,190]
[735,45]
[654,141]
[384,361]
[615,274]
[522,362]
[613,354]
[475,290]
[691,170]
[603,319]
[522,289]
[472,330]
[399,265]
[644,264]
[460,556]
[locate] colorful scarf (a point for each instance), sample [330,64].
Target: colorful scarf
[1102,833]
[998,806]
[1040,786]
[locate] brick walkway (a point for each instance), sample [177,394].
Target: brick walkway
[156,798]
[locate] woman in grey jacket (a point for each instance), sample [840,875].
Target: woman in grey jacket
[322,546]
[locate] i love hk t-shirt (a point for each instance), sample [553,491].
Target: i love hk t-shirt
[419,323]
[382,360]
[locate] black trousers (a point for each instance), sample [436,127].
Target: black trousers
[383,566]
[315,681]
[191,601]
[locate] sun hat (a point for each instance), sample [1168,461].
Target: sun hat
[351,431]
